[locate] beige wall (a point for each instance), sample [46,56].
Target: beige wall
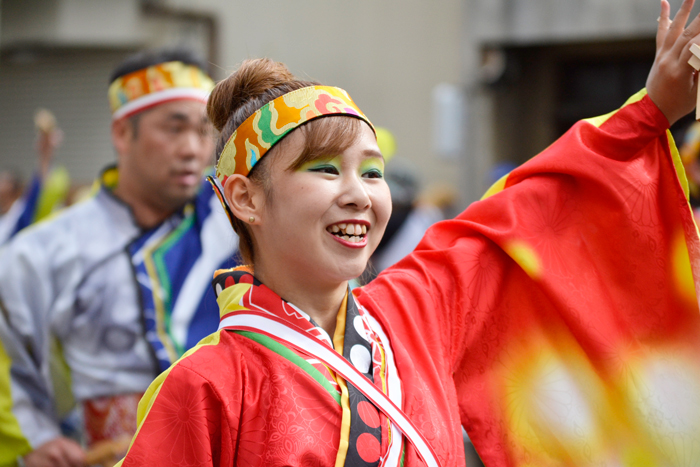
[387,54]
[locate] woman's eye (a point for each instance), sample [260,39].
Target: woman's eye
[326,169]
[374,173]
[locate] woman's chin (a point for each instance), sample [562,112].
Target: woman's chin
[348,271]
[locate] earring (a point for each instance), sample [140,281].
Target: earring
[251,219]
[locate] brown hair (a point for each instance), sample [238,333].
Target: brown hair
[254,84]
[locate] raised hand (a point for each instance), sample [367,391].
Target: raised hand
[672,83]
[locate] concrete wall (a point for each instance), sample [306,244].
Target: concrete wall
[530,21]
[96,23]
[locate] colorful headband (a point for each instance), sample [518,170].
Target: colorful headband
[270,123]
[155,85]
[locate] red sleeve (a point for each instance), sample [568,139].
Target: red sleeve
[186,424]
[536,298]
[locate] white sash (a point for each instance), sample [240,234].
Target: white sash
[401,424]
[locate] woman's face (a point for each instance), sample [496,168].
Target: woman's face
[324,220]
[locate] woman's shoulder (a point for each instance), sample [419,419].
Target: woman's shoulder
[224,356]
[217,349]
[393,290]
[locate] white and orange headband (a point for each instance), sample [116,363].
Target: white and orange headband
[157,84]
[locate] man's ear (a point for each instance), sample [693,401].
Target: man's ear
[122,135]
[245,198]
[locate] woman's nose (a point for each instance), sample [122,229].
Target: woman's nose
[355,193]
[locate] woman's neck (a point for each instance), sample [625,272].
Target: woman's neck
[320,301]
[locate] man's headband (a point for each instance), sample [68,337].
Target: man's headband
[155,85]
[271,122]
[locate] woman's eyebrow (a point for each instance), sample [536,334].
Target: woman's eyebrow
[372,153]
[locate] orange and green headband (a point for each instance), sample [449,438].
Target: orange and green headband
[157,84]
[270,123]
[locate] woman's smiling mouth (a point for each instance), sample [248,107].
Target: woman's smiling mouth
[350,233]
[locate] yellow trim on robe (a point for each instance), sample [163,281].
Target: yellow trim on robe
[598,121]
[338,343]
[151,393]
[497,187]
[13,442]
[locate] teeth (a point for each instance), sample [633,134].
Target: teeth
[350,232]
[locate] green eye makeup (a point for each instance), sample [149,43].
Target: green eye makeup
[373,166]
[320,165]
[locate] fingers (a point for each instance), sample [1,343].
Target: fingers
[678,25]
[694,28]
[59,452]
[681,18]
[690,34]
[674,36]
[664,23]
[73,454]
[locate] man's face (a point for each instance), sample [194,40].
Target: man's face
[163,153]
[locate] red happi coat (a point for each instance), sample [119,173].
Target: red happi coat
[556,320]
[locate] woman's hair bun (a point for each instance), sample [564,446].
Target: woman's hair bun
[250,82]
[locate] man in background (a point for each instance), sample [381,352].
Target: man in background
[120,281]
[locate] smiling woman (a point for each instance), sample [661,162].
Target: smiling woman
[533,318]
[296,242]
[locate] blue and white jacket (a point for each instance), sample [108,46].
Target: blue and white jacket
[123,303]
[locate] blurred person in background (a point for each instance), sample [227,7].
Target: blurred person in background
[556,319]
[119,280]
[10,190]
[46,192]
[689,152]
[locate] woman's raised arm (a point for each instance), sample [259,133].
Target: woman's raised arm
[563,307]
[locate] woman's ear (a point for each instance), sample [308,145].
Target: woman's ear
[245,198]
